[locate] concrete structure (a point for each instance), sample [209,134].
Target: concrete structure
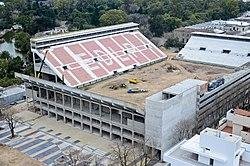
[211,147]
[217,49]
[56,30]
[99,108]
[237,122]
[179,101]
[245,17]
[231,27]
[11,94]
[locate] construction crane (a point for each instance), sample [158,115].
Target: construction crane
[39,73]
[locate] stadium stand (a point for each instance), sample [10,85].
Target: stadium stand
[218,49]
[81,62]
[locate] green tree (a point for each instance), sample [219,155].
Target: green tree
[5,55]
[157,25]
[22,42]
[79,20]
[15,65]
[3,68]
[64,8]
[230,8]
[112,17]
[171,23]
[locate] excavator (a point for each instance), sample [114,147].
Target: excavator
[133,81]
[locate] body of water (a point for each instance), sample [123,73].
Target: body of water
[10,47]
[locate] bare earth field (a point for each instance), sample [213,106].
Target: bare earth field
[12,157]
[155,78]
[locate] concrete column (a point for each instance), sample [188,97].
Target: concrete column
[39,92]
[71,99]
[62,99]
[47,94]
[99,105]
[81,105]
[34,63]
[55,96]
[110,113]
[90,105]
[64,116]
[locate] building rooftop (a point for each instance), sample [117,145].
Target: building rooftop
[155,78]
[181,87]
[88,31]
[221,135]
[242,112]
[188,151]
[218,24]
[219,49]
[9,91]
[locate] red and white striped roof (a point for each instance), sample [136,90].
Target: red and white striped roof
[89,60]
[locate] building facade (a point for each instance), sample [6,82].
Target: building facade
[237,122]
[211,147]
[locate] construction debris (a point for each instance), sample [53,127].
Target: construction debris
[118,86]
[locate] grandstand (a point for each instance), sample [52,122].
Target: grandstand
[87,61]
[218,49]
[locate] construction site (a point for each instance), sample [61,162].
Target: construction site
[113,82]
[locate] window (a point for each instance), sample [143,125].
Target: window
[166,96]
[248,54]
[65,67]
[211,162]
[202,48]
[226,51]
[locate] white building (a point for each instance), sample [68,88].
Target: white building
[236,26]
[217,49]
[237,122]
[211,147]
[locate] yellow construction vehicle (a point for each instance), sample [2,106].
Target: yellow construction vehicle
[133,81]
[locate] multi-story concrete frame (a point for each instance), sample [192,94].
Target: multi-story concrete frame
[94,113]
[116,114]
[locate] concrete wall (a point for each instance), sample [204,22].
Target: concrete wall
[163,115]
[214,105]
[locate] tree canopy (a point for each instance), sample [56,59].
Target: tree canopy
[8,66]
[112,17]
[162,15]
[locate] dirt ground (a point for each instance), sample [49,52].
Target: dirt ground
[12,157]
[155,78]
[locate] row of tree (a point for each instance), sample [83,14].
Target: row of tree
[155,16]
